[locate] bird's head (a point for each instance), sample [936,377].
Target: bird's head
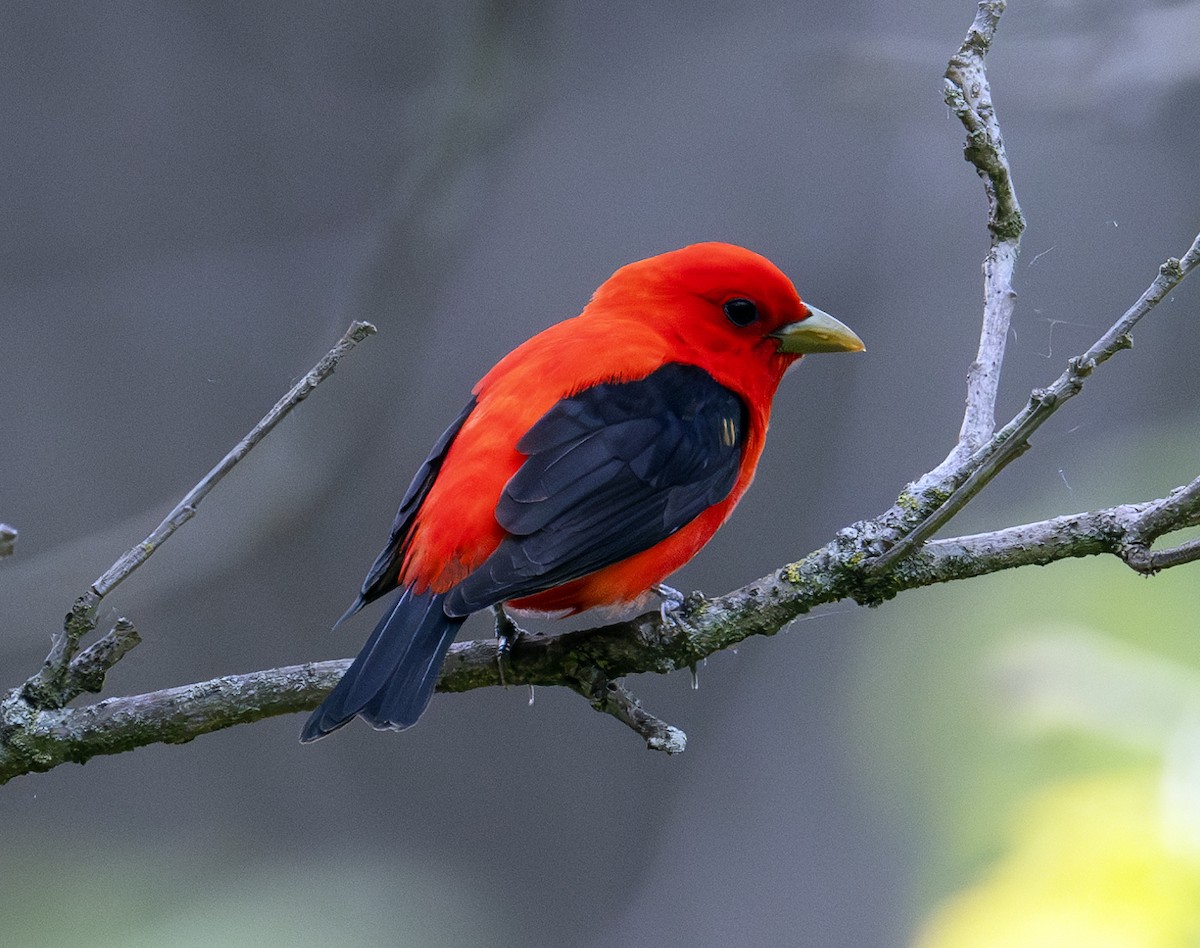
[724,306]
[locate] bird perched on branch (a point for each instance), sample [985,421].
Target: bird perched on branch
[590,463]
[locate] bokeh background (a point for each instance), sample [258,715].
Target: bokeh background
[198,197]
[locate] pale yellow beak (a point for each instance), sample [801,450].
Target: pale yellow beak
[820,332]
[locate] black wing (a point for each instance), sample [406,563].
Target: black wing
[610,472]
[383,575]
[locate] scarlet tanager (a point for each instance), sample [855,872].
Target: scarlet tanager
[590,463]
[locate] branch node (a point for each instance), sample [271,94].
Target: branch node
[1135,553]
[47,688]
[612,698]
[87,670]
[1080,367]
[8,540]
[134,557]
[1175,556]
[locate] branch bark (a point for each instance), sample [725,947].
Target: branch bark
[1012,440]
[969,95]
[8,540]
[869,561]
[592,661]
[53,685]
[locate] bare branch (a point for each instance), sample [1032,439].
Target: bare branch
[1013,439]
[1123,531]
[979,455]
[1157,560]
[590,661]
[611,697]
[8,540]
[1180,509]
[968,93]
[186,508]
[33,740]
[87,669]
[864,562]
[46,688]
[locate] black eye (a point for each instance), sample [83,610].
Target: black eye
[741,312]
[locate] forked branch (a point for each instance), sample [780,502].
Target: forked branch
[869,561]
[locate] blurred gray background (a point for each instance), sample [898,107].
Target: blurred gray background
[198,197]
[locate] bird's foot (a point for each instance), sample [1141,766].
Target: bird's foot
[508,634]
[672,601]
[671,612]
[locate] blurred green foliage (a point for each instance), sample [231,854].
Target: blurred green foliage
[127,898]
[993,714]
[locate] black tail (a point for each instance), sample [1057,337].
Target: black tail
[391,681]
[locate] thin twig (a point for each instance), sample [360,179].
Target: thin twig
[1013,439]
[1121,531]
[45,689]
[1158,560]
[87,669]
[588,661]
[186,508]
[968,93]
[613,698]
[8,540]
[36,737]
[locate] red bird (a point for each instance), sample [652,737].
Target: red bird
[589,464]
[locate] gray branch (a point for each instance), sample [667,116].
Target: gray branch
[8,540]
[612,697]
[87,669]
[969,95]
[869,562]
[1012,440]
[592,661]
[186,508]
[979,455]
[50,688]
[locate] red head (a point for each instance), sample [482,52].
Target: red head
[724,307]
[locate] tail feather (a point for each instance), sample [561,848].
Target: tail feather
[392,679]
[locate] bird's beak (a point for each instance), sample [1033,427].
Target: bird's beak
[818,332]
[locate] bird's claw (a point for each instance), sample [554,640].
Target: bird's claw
[671,611]
[508,634]
[671,607]
[672,601]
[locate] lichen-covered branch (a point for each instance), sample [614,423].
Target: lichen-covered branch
[52,686]
[34,740]
[87,669]
[980,452]
[869,562]
[592,661]
[612,697]
[8,540]
[1013,439]
[969,95]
